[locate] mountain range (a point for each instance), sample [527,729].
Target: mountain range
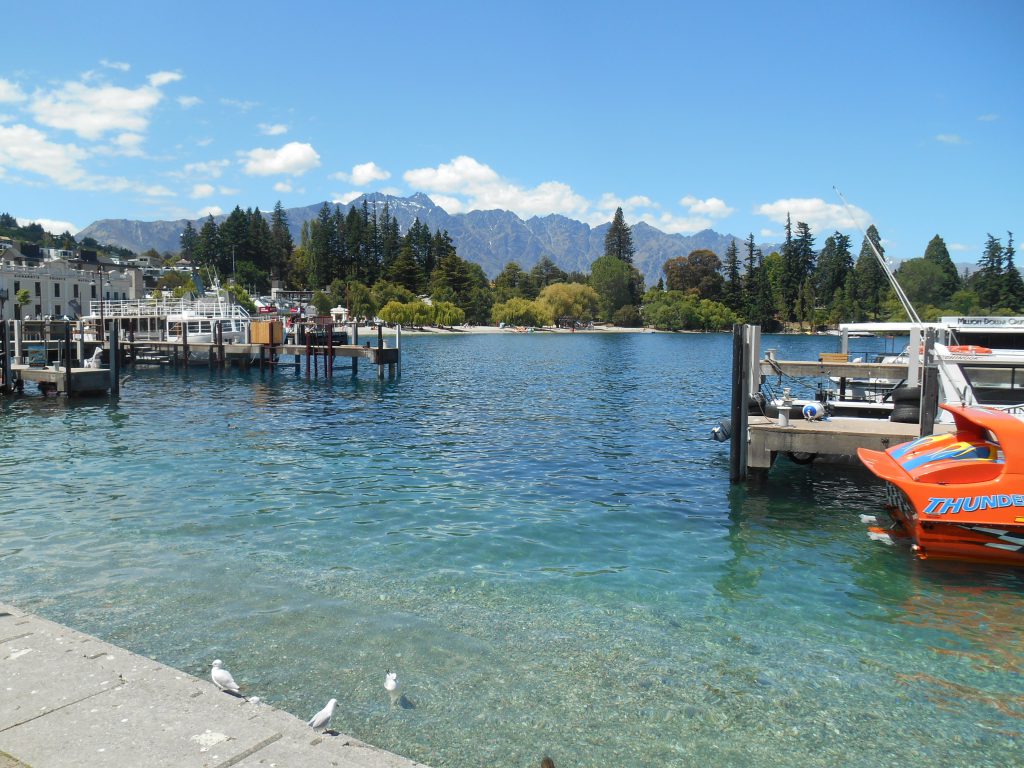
[490,238]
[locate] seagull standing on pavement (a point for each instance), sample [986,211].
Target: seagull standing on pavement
[222,678]
[322,719]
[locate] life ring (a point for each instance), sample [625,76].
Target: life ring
[970,349]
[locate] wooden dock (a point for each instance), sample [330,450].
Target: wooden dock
[803,440]
[756,440]
[61,380]
[57,364]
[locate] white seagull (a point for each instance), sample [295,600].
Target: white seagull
[222,678]
[322,719]
[391,685]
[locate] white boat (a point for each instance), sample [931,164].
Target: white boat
[167,319]
[198,320]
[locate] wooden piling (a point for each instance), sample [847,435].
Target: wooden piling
[68,390]
[220,345]
[184,342]
[355,342]
[308,351]
[115,362]
[329,359]
[737,413]
[380,346]
[929,385]
[5,363]
[81,344]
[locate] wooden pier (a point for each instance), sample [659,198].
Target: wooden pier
[757,440]
[59,365]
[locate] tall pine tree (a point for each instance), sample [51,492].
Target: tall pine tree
[618,241]
[989,279]
[1013,286]
[938,254]
[872,284]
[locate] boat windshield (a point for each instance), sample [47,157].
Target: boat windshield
[996,385]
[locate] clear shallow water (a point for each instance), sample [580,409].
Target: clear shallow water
[537,534]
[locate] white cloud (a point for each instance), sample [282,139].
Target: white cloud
[463,174]
[766,232]
[273,130]
[202,190]
[815,212]
[344,199]
[713,207]
[363,174]
[10,92]
[609,203]
[293,158]
[119,65]
[152,190]
[212,169]
[210,210]
[128,145]
[244,106]
[228,190]
[989,117]
[487,190]
[959,247]
[52,226]
[158,79]
[949,138]
[666,222]
[28,149]
[91,112]
[450,204]
[283,186]
[187,102]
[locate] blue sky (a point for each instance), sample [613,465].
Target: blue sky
[686,116]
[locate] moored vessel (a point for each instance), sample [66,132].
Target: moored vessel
[958,495]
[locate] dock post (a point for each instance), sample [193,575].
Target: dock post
[355,342]
[5,364]
[738,414]
[115,362]
[80,343]
[380,346]
[329,360]
[17,340]
[220,344]
[184,342]
[67,360]
[914,358]
[929,385]
[308,350]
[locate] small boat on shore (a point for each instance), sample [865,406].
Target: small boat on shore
[958,495]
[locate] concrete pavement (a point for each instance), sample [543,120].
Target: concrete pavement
[68,699]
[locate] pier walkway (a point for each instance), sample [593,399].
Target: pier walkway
[68,699]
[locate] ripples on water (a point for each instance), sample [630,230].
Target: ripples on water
[536,532]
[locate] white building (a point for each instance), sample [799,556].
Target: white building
[61,287]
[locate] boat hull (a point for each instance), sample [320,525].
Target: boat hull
[940,540]
[958,495]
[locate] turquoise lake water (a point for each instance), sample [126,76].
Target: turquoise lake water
[537,534]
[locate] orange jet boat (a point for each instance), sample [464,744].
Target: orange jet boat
[958,495]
